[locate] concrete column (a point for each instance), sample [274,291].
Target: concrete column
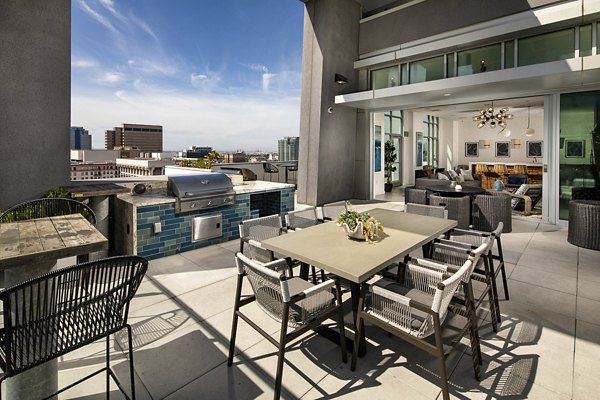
[326,160]
[42,380]
[100,205]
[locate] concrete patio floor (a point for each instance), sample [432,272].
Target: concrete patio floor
[547,347]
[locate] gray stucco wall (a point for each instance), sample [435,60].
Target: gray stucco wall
[35,97]
[434,17]
[327,140]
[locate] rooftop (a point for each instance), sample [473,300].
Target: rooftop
[547,346]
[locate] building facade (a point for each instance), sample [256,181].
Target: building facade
[80,138]
[417,72]
[142,167]
[146,138]
[238,156]
[288,148]
[92,170]
[197,152]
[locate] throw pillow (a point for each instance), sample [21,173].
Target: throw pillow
[442,176]
[460,179]
[467,175]
[453,174]
[521,190]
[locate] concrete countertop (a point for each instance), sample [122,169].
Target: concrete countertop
[159,195]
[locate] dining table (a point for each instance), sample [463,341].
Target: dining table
[326,246]
[30,248]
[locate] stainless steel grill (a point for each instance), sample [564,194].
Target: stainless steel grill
[201,191]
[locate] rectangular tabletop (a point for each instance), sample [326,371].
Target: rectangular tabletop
[326,246]
[48,238]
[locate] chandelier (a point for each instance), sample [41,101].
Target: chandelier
[488,115]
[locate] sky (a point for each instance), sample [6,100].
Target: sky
[224,74]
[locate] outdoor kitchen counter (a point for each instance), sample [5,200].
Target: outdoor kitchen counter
[157,196]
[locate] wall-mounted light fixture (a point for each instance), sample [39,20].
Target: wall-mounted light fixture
[516,143]
[340,79]
[485,144]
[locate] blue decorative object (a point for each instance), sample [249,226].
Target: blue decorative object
[498,185]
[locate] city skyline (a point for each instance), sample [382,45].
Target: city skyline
[222,75]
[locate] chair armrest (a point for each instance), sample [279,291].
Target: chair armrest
[278,265]
[526,199]
[400,300]
[314,290]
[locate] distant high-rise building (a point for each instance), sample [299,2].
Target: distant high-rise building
[198,152]
[288,148]
[146,138]
[80,138]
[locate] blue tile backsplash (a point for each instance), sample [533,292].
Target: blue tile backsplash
[176,234]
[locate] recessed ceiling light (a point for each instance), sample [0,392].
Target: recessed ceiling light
[447,94]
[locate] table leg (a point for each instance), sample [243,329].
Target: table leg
[42,380]
[304,271]
[355,295]
[100,205]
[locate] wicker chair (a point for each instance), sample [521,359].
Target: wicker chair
[474,239]
[415,310]
[430,211]
[458,208]
[300,219]
[491,209]
[414,195]
[66,310]
[254,231]
[294,303]
[332,211]
[584,224]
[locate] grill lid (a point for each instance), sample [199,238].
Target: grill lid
[200,185]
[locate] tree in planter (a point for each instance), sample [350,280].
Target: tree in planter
[389,160]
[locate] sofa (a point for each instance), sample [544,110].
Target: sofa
[422,179]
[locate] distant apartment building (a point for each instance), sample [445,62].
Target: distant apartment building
[95,156]
[80,138]
[198,152]
[288,148]
[142,166]
[238,156]
[146,138]
[93,170]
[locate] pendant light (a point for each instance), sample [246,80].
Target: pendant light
[529,132]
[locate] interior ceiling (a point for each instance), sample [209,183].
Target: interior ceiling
[467,111]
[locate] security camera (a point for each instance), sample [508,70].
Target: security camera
[330,110]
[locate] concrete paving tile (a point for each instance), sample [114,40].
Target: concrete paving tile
[588,289]
[586,387]
[232,245]
[548,262]
[148,294]
[587,349]
[212,299]
[548,280]
[588,310]
[533,297]
[589,272]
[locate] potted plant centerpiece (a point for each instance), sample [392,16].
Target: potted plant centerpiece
[359,226]
[389,160]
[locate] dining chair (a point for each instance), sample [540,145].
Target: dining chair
[270,169]
[332,211]
[254,231]
[490,209]
[293,302]
[429,211]
[417,308]
[300,219]
[53,314]
[475,238]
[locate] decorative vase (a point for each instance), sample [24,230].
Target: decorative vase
[358,232]
[458,187]
[498,185]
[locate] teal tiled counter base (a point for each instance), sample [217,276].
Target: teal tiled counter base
[176,230]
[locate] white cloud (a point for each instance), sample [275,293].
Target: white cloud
[97,16]
[225,122]
[110,77]
[154,67]
[144,26]
[207,81]
[110,6]
[258,67]
[83,63]
[266,79]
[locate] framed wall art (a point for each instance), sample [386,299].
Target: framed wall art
[534,149]
[503,149]
[471,149]
[574,148]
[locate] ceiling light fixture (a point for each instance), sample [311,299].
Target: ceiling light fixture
[488,115]
[340,79]
[529,132]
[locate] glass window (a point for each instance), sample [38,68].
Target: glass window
[548,47]
[404,73]
[509,54]
[385,77]
[427,70]
[481,59]
[585,40]
[431,131]
[450,72]
[579,146]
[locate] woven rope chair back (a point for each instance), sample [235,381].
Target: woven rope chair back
[53,314]
[50,207]
[457,256]
[270,287]
[430,211]
[259,229]
[301,218]
[414,195]
[332,211]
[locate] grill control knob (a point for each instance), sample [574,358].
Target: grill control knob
[226,200]
[210,203]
